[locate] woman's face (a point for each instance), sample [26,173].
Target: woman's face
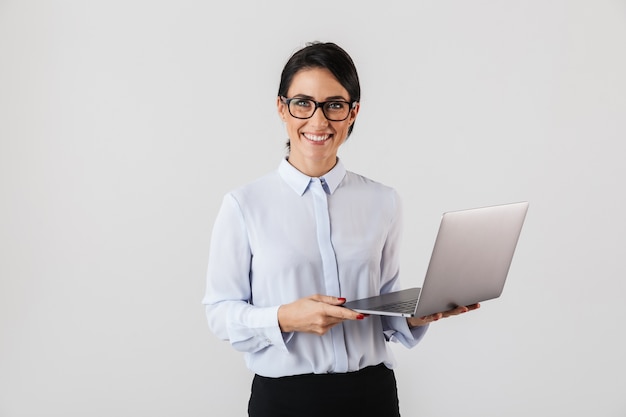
[314,142]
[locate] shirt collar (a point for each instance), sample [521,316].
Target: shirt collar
[299,182]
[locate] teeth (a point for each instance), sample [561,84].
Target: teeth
[316,138]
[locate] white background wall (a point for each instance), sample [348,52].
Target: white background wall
[122,124]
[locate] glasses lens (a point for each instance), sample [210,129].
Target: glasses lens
[336,110]
[301,108]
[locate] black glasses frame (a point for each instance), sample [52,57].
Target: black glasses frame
[318,104]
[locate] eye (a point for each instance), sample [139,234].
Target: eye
[336,105]
[302,103]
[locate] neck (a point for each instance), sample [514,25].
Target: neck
[313,168]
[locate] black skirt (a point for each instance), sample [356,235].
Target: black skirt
[369,392]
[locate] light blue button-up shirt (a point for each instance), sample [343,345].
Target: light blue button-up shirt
[286,236]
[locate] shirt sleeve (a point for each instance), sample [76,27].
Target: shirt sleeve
[396,329]
[230,315]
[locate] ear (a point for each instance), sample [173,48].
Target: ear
[354,112]
[281,108]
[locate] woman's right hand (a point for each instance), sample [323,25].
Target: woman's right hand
[315,314]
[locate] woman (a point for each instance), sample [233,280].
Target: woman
[288,249]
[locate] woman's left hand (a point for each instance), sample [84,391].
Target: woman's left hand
[421,321]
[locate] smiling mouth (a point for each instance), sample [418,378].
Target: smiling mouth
[316,138]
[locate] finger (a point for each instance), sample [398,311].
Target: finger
[432,317]
[461,310]
[344,313]
[337,301]
[456,311]
[328,299]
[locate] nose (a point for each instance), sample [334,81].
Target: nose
[318,116]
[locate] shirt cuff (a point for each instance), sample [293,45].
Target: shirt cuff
[407,336]
[260,331]
[268,321]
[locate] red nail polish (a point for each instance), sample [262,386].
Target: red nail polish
[360,317]
[341,299]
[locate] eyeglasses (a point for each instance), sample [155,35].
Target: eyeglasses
[304,108]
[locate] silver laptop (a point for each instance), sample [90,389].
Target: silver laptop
[469,264]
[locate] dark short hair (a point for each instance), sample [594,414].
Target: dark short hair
[323,55]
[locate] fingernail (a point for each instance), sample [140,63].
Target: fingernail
[360,317]
[341,299]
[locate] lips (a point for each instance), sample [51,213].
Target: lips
[316,138]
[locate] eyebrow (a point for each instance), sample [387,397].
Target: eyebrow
[331,98]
